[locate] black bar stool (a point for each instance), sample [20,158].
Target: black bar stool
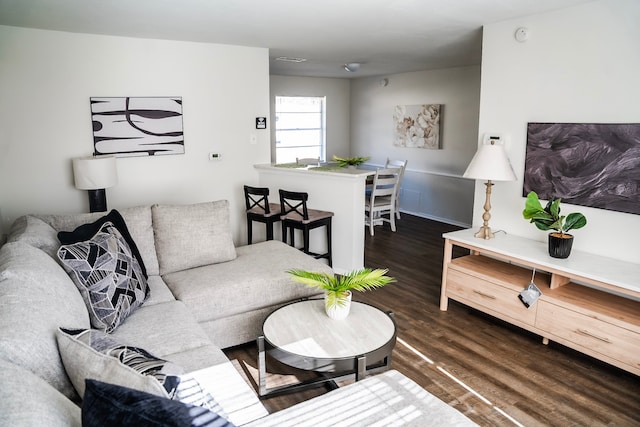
[296,216]
[259,209]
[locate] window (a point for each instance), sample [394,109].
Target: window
[300,128]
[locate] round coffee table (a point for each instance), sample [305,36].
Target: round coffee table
[301,335]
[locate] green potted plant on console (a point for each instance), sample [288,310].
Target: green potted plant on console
[338,287]
[549,218]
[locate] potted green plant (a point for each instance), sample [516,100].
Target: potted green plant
[338,287]
[549,218]
[349,161]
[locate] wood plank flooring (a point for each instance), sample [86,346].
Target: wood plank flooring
[493,372]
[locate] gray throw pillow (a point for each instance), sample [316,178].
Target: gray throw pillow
[89,353]
[108,276]
[92,354]
[192,235]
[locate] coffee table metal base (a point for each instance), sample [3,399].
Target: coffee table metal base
[328,369]
[360,371]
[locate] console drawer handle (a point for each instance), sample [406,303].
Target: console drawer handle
[484,295]
[589,334]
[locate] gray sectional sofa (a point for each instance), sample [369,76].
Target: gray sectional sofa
[204,294]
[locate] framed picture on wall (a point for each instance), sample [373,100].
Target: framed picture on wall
[587,164]
[137,126]
[418,126]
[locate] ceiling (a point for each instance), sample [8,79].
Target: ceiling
[385,36]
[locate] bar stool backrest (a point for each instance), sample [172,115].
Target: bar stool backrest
[257,199]
[294,202]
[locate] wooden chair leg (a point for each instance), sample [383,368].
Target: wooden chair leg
[329,243]
[249,231]
[371,220]
[292,237]
[269,230]
[392,220]
[305,240]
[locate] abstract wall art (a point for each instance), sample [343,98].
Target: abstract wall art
[137,126]
[595,165]
[418,126]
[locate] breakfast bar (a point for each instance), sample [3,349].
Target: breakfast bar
[339,190]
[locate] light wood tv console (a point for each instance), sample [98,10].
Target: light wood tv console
[589,303]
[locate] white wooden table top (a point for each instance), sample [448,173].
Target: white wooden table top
[621,274]
[303,328]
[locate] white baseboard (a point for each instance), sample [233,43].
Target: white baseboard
[436,218]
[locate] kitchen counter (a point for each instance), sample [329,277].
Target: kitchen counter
[339,190]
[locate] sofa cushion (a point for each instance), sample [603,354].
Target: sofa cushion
[94,354]
[28,400]
[159,292]
[36,296]
[256,279]
[192,235]
[111,405]
[108,276]
[34,232]
[138,220]
[87,231]
[163,329]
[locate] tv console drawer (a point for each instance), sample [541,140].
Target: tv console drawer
[590,333]
[494,299]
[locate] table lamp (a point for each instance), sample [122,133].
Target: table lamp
[492,164]
[95,173]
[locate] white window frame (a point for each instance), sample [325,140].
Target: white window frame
[301,151]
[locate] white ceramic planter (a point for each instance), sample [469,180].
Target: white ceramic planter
[339,310]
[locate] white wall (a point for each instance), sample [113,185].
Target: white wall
[47,78]
[432,186]
[580,64]
[337,104]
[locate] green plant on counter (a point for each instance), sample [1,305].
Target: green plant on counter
[349,161]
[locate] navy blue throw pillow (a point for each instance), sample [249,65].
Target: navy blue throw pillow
[111,405]
[87,231]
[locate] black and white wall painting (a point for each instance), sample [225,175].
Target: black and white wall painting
[137,126]
[595,165]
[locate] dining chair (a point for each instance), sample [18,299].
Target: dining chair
[259,209]
[295,215]
[382,200]
[402,164]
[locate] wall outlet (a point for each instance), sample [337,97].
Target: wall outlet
[215,156]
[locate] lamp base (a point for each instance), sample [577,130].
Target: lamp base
[485,230]
[485,233]
[97,200]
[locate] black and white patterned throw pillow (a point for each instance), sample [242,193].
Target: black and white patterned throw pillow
[108,276]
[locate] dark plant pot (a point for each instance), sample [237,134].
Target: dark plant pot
[560,245]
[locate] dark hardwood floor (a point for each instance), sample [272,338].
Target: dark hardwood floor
[493,372]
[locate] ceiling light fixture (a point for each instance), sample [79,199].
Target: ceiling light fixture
[290,59]
[352,67]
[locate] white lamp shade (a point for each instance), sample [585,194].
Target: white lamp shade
[94,173]
[491,163]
